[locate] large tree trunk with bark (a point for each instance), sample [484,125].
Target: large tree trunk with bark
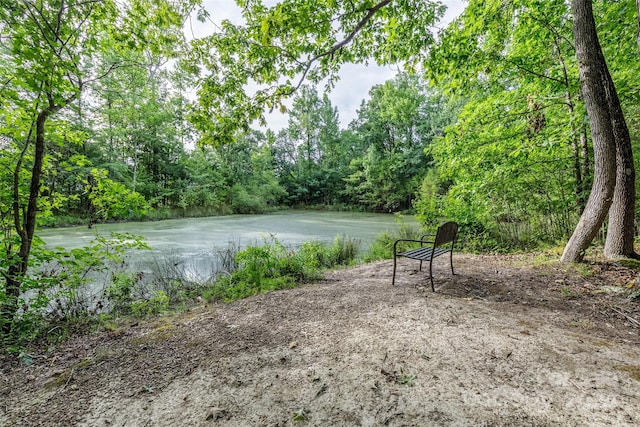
[593,79]
[621,229]
[621,233]
[585,156]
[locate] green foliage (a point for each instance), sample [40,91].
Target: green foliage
[235,178]
[405,379]
[428,205]
[276,45]
[516,164]
[63,283]
[112,200]
[120,292]
[490,169]
[273,266]
[309,157]
[248,173]
[568,293]
[260,269]
[299,415]
[343,251]
[51,53]
[251,200]
[494,137]
[382,245]
[156,304]
[244,203]
[398,125]
[205,187]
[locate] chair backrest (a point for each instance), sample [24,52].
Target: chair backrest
[446,233]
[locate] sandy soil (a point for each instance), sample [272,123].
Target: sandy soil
[502,343]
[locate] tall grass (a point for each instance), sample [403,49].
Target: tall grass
[274,266]
[382,245]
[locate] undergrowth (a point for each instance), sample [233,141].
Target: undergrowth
[274,266]
[59,304]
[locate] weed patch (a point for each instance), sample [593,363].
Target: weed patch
[274,266]
[632,370]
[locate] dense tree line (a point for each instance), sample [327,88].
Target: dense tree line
[517,64]
[128,153]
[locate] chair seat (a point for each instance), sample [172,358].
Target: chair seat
[424,254]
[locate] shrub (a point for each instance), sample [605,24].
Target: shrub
[382,245]
[57,286]
[245,203]
[157,304]
[273,266]
[343,251]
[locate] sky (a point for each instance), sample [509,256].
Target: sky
[355,79]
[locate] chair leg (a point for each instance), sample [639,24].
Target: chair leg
[433,289]
[393,280]
[451,261]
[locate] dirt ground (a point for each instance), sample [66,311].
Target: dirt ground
[501,343]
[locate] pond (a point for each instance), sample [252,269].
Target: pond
[192,241]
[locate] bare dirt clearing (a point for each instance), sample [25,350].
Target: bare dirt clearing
[501,343]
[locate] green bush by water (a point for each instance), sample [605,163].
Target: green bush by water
[56,292]
[273,266]
[382,245]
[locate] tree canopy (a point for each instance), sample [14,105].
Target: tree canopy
[278,48]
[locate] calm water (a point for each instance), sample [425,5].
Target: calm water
[193,240]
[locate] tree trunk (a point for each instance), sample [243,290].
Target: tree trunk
[18,268]
[593,80]
[584,147]
[621,230]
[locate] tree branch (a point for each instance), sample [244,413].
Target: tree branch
[371,12]
[535,73]
[34,19]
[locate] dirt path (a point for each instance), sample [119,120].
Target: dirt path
[501,343]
